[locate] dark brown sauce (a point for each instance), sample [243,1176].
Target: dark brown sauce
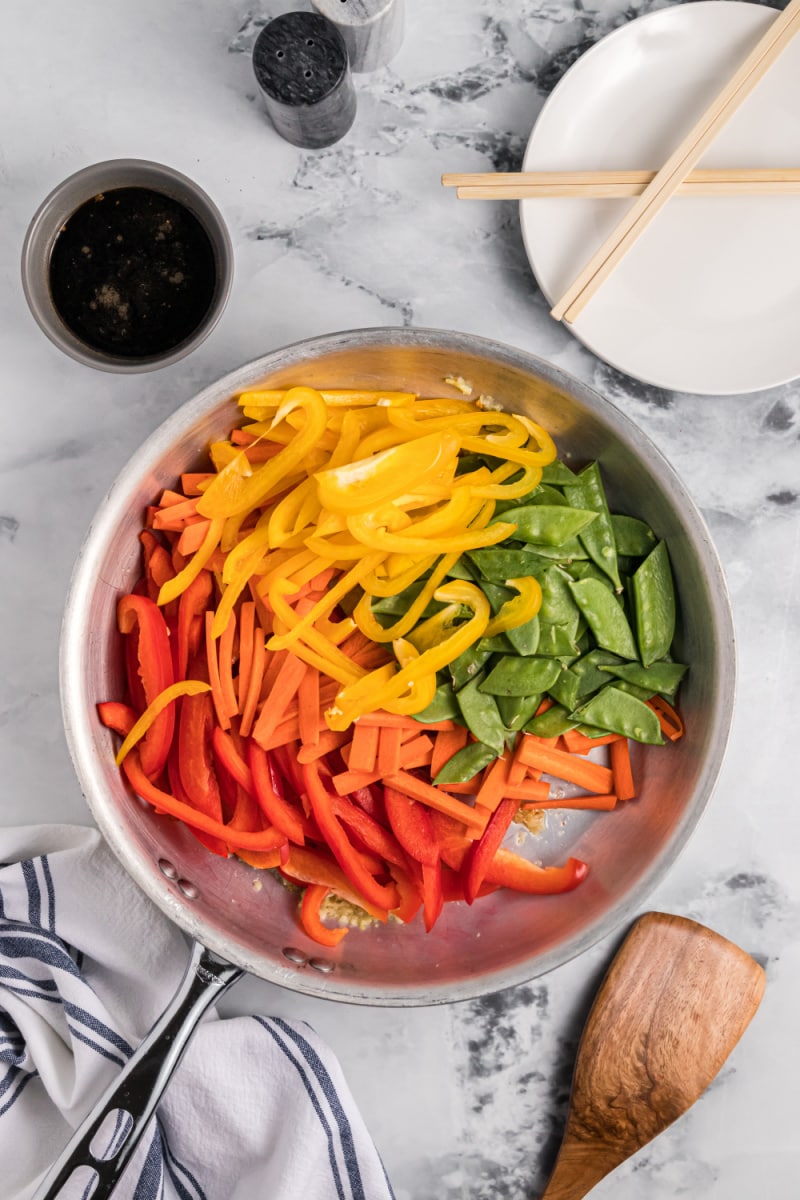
[132,273]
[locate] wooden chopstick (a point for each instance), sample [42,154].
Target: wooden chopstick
[524,185]
[780,32]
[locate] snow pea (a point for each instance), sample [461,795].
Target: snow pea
[513,676]
[606,619]
[465,764]
[551,723]
[565,687]
[634,538]
[544,494]
[467,665]
[589,672]
[588,493]
[443,706]
[557,641]
[497,595]
[589,570]
[516,711]
[499,565]
[550,524]
[654,605]
[558,605]
[499,644]
[461,569]
[481,715]
[661,677]
[570,551]
[619,712]
[557,473]
[525,638]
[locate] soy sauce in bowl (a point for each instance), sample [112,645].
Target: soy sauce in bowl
[132,273]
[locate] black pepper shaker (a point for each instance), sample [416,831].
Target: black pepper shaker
[300,63]
[372,29]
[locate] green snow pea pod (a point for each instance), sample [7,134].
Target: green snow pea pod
[481,715]
[558,605]
[634,538]
[550,524]
[661,677]
[499,565]
[605,617]
[564,688]
[588,493]
[654,605]
[443,706]
[497,595]
[588,670]
[619,712]
[461,569]
[633,689]
[514,676]
[589,570]
[516,711]
[570,551]
[557,473]
[557,641]
[499,644]
[465,764]
[545,494]
[525,638]
[467,665]
[552,723]
[394,606]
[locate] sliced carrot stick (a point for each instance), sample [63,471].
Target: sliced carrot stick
[280,695]
[518,769]
[416,752]
[169,498]
[621,770]
[493,787]
[226,667]
[529,789]
[386,720]
[601,803]
[328,741]
[578,743]
[364,749]
[570,767]
[464,789]
[349,781]
[192,537]
[171,516]
[308,707]
[389,751]
[247,623]
[217,694]
[448,742]
[192,482]
[417,789]
[256,674]
[668,719]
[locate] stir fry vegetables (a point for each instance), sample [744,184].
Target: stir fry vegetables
[374,609]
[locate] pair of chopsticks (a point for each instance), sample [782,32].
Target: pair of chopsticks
[602,185]
[677,169]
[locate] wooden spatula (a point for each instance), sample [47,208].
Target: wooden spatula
[673,1005]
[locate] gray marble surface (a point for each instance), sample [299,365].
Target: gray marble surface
[465,1102]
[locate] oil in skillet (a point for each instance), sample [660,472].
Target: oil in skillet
[132,273]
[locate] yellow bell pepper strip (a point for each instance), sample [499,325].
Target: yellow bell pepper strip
[179,583]
[228,495]
[514,454]
[541,437]
[395,582]
[366,622]
[353,703]
[284,516]
[336,631]
[519,609]
[185,687]
[496,489]
[421,691]
[363,529]
[433,631]
[360,486]
[326,605]
[334,397]
[241,564]
[315,640]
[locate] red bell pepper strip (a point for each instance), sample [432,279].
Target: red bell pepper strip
[432,894]
[412,826]
[348,858]
[166,802]
[313,897]
[410,895]
[228,755]
[278,811]
[157,563]
[214,844]
[480,857]
[368,830]
[286,759]
[453,886]
[191,620]
[316,866]
[139,614]
[118,717]
[511,871]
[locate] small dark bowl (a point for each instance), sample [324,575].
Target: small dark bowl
[63,201]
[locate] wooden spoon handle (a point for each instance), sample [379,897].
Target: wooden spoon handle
[672,1006]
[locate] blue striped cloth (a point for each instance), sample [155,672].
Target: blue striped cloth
[258,1107]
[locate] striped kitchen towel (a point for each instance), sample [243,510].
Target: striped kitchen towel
[258,1106]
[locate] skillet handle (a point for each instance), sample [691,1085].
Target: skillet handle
[128,1104]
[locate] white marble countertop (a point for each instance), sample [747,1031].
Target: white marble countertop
[362,234]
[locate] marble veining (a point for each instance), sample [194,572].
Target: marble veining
[467,1101]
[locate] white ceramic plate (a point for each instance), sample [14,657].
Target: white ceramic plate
[708,299]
